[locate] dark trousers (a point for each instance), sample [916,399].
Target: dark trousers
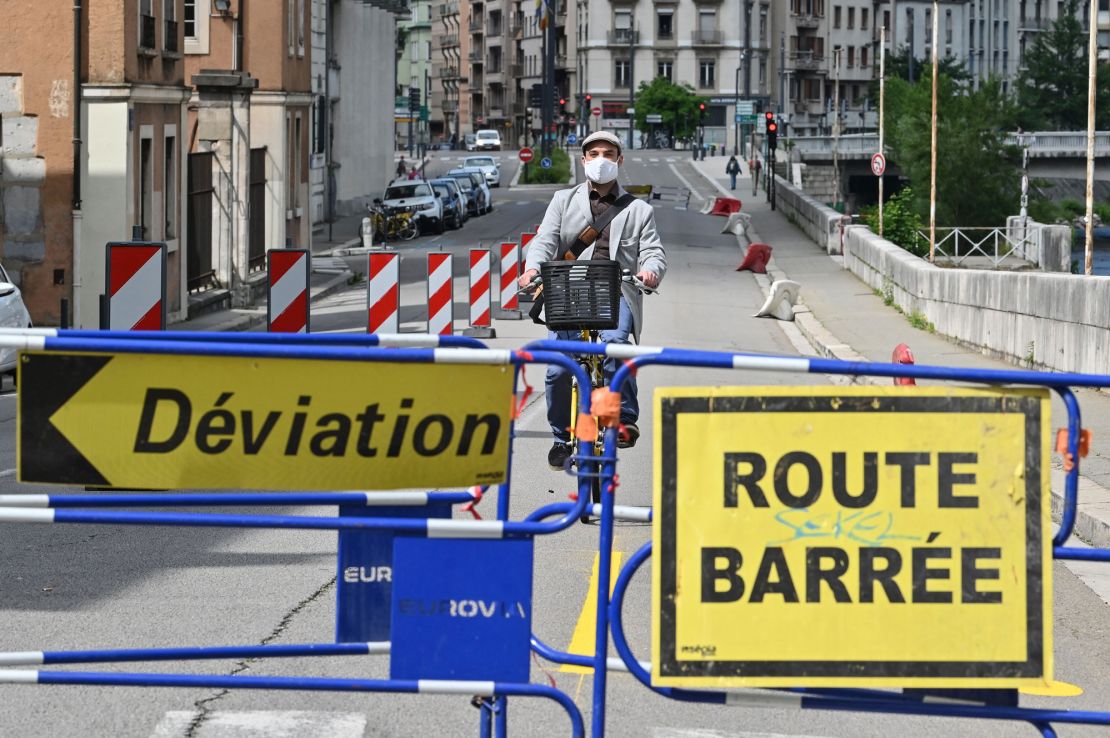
[558,379]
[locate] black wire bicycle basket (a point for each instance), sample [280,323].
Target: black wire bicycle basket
[581,295]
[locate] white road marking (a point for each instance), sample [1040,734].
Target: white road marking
[250,724]
[686,182]
[701,733]
[7,473]
[653,159]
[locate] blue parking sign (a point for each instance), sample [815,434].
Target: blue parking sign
[462,609]
[545,163]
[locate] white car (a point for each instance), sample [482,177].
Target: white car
[488,140]
[13,314]
[417,196]
[489,166]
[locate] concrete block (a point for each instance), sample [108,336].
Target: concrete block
[26,171]
[25,251]
[11,94]
[22,211]
[20,133]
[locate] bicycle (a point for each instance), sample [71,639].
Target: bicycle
[391,223]
[584,297]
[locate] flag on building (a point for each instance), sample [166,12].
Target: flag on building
[542,13]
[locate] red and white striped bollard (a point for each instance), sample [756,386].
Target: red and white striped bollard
[383,293]
[287,305]
[441,307]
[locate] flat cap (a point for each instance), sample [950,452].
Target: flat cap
[605,136]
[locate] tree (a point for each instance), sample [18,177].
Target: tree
[1052,86]
[898,67]
[676,104]
[978,177]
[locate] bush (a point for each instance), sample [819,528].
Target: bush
[559,172]
[900,222]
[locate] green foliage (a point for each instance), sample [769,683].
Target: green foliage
[677,104]
[898,67]
[978,178]
[1052,87]
[918,320]
[559,172]
[1049,211]
[900,224]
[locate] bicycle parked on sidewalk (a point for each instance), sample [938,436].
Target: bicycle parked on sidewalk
[583,297]
[388,223]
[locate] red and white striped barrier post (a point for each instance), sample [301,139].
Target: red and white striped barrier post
[383,294]
[287,305]
[441,306]
[510,272]
[481,295]
[134,285]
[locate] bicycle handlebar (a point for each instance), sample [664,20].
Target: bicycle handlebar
[626,276]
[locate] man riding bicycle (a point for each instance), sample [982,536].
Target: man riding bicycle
[598,220]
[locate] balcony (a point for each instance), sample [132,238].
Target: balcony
[476,57]
[448,40]
[450,106]
[476,77]
[561,61]
[476,25]
[807,60]
[494,29]
[449,73]
[622,37]
[147,24]
[495,69]
[807,21]
[169,37]
[446,9]
[706,38]
[516,26]
[516,70]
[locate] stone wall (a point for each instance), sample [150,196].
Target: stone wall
[819,222]
[22,176]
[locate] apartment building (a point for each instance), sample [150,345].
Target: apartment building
[91,147]
[414,70]
[451,73]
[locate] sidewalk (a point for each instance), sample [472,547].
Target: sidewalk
[842,318]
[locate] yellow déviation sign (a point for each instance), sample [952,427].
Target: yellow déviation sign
[862,536]
[153,421]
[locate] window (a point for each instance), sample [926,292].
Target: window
[290,10]
[665,24]
[707,20]
[863,56]
[836,16]
[146,180]
[196,19]
[169,184]
[146,24]
[621,69]
[169,26]
[665,69]
[948,27]
[300,27]
[886,21]
[707,73]
[851,56]
[622,20]
[863,19]
[414,51]
[293,170]
[851,17]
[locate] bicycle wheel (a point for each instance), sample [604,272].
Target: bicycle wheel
[408,231]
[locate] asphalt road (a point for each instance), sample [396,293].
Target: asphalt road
[103,586]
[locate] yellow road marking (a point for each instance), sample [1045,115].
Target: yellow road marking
[582,640]
[1053,689]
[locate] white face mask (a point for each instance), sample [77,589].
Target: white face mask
[600,170]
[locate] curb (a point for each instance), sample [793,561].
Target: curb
[1089,526]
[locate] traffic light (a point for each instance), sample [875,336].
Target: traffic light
[414,98]
[701,110]
[588,98]
[562,104]
[772,131]
[535,96]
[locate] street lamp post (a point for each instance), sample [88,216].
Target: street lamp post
[736,113]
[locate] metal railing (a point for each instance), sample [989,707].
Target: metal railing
[958,245]
[1046,144]
[807,21]
[706,37]
[477,26]
[476,57]
[807,60]
[622,36]
[169,39]
[147,25]
[449,39]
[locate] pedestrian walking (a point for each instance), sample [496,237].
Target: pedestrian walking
[732,169]
[756,169]
[401,167]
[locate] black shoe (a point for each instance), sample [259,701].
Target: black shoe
[558,455]
[630,433]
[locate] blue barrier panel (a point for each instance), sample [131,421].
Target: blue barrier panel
[364,582]
[449,622]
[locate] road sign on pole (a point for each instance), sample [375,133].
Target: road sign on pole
[525,155]
[878,164]
[596,112]
[572,139]
[653,118]
[545,163]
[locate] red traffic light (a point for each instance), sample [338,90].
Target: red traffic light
[769,115]
[589,97]
[562,101]
[701,106]
[772,127]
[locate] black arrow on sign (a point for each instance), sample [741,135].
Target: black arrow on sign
[46,383]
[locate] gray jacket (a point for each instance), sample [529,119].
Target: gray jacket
[633,239]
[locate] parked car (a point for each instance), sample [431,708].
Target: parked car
[417,196]
[13,314]
[470,141]
[473,197]
[488,140]
[490,167]
[454,201]
[479,179]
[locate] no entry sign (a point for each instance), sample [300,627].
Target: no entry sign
[828,536]
[878,164]
[525,155]
[595,112]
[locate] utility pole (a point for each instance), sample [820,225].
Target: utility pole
[1092,90]
[882,103]
[736,111]
[910,52]
[933,147]
[631,77]
[836,121]
[748,53]
[548,100]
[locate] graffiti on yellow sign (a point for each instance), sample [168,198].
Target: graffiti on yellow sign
[824,536]
[173,422]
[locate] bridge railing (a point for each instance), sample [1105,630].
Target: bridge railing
[1040,143]
[958,245]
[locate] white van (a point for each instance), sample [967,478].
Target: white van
[488,140]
